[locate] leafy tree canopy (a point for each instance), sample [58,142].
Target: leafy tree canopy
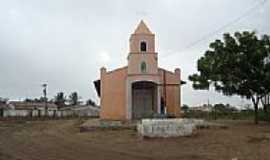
[90,102]
[60,99]
[3,100]
[185,108]
[35,100]
[237,65]
[74,98]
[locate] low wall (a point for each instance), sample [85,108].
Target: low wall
[50,113]
[167,127]
[36,113]
[81,111]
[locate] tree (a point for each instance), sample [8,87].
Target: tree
[60,99]
[42,99]
[236,66]
[3,100]
[74,98]
[185,108]
[222,108]
[90,102]
[35,100]
[28,100]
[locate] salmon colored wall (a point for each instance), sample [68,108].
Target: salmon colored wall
[113,91]
[173,91]
[136,56]
[173,100]
[113,94]
[135,60]
[136,39]
[144,77]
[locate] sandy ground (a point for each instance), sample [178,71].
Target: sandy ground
[61,140]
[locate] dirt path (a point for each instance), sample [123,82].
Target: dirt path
[61,140]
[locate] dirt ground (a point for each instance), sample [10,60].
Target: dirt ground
[61,140]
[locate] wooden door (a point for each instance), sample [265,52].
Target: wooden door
[142,103]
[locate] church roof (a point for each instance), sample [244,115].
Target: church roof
[142,29]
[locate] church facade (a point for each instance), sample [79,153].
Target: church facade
[141,89]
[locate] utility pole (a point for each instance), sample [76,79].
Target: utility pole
[45,97]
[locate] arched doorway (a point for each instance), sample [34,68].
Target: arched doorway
[144,99]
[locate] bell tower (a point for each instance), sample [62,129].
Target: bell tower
[142,58]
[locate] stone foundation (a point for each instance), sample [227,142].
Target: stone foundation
[167,127]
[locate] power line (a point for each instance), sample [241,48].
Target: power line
[218,30]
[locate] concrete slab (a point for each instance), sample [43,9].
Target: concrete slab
[168,127]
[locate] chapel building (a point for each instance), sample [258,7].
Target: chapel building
[141,89]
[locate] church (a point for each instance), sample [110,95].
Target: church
[141,89]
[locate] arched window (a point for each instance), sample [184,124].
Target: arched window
[143,67]
[143,46]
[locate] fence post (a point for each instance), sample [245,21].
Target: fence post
[39,113]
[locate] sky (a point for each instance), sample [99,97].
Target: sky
[64,43]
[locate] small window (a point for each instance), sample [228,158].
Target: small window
[143,46]
[143,67]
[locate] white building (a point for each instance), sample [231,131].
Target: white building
[39,109]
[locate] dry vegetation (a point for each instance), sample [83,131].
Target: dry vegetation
[61,139]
